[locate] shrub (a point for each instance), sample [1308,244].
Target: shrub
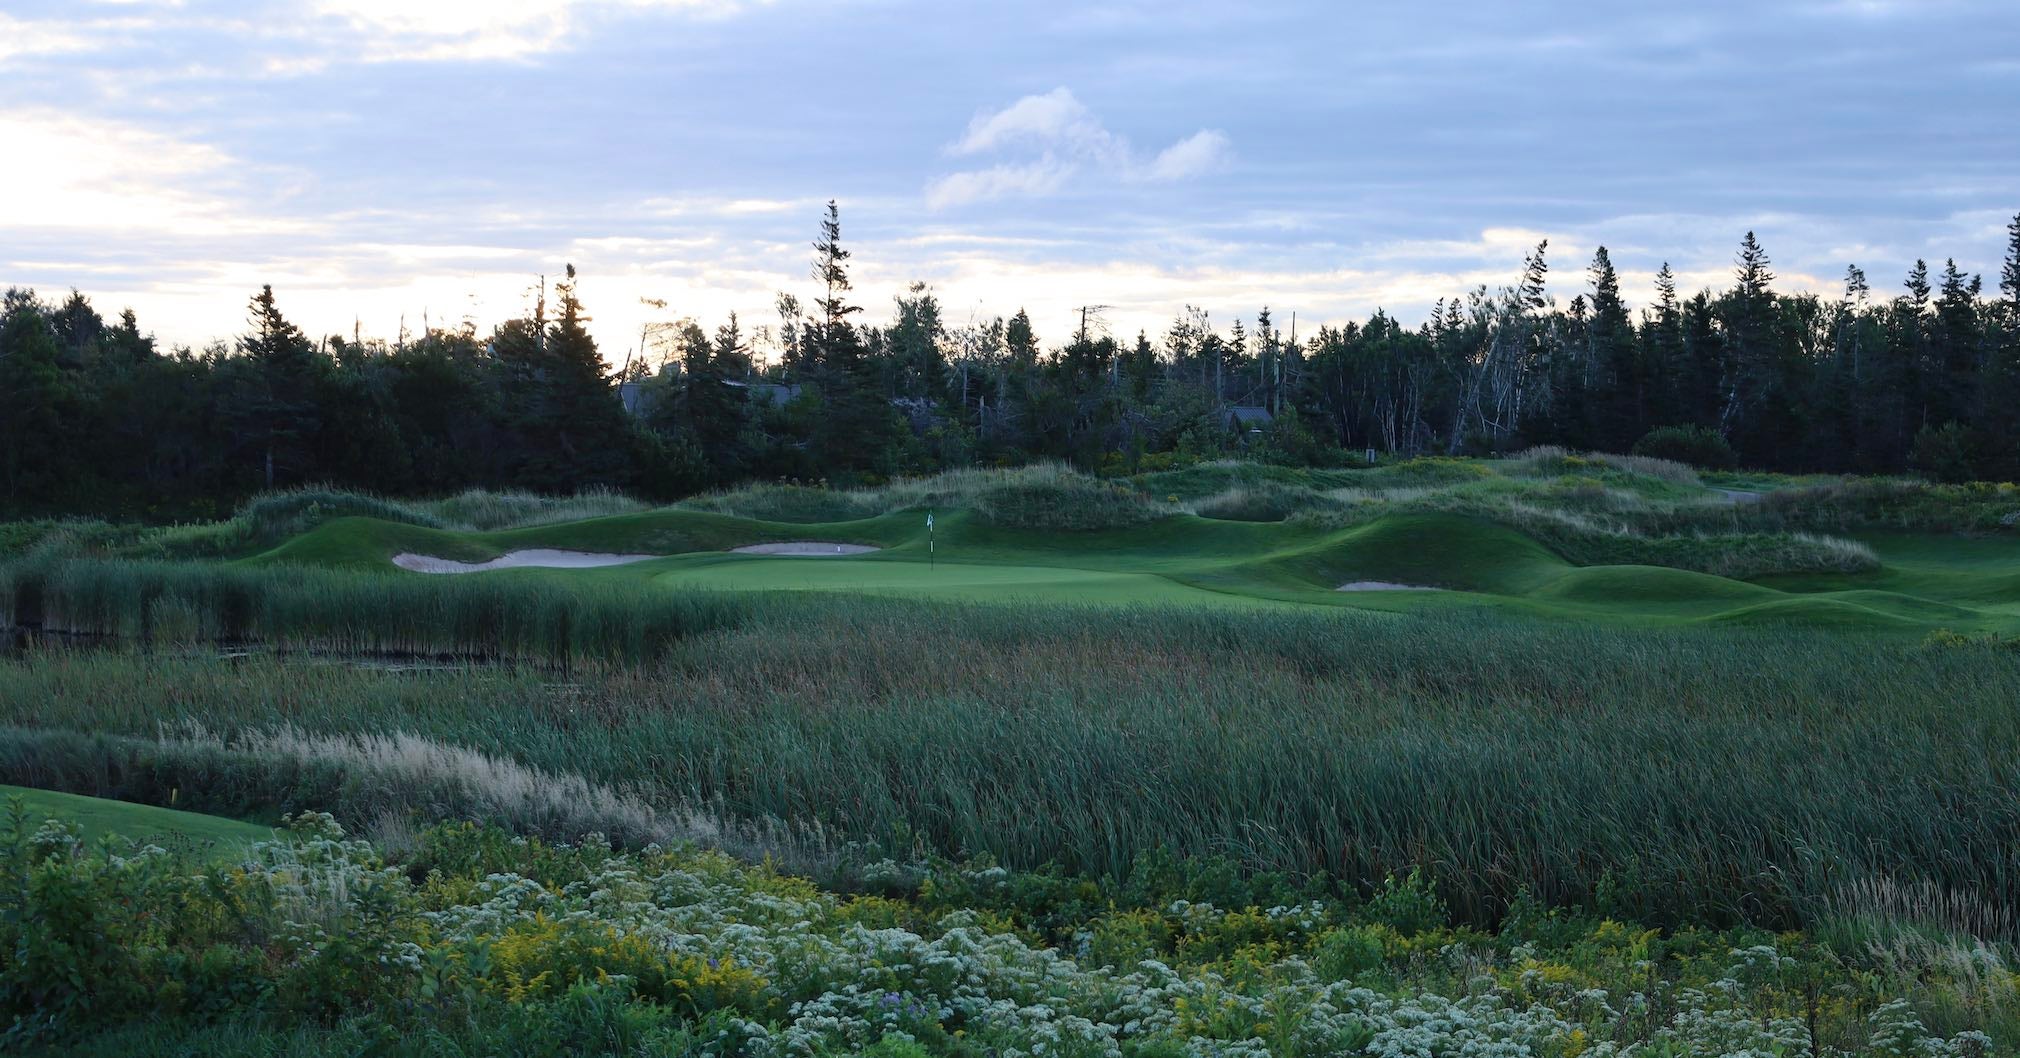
[1948,453]
[1691,445]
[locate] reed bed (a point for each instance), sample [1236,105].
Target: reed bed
[1702,776]
[155,604]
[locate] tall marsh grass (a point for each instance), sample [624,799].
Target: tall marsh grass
[531,619]
[1667,776]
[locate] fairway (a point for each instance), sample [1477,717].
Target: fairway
[1911,582]
[97,817]
[960,581]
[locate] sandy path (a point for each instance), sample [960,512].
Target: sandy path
[1382,585]
[536,558]
[804,549]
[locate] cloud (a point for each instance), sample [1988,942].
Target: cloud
[20,37]
[1052,119]
[1046,175]
[109,176]
[1070,137]
[1202,152]
[476,30]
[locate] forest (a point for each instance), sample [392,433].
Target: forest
[96,417]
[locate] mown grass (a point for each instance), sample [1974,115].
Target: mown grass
[97,817]
[1693,776]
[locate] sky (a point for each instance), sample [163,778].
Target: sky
[386,162]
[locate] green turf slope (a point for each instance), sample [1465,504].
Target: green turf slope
[369,542]
[97,817]
[1923,583]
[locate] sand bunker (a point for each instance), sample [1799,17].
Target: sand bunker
[538,558]
[805,549]
[1382,585]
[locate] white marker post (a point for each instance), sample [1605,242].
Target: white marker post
[932,556]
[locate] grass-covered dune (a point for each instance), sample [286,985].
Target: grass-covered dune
[334,587]
[1112,767]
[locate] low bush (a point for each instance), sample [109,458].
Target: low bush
[480,943]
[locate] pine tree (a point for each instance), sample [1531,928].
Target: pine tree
[857,428]
[1663,340]
[2009,278]
[1021,342]
[1616,361]
[587,424]
[280,412]
[1954,346]
[1749,371]
[1999,383]
[34,405]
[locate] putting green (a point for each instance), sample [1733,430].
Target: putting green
[962,581]
[97,816]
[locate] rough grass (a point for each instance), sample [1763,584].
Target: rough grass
[791,503]
[271,518]
[483,511]
[1695,776]
[1202,480]
[1039,496]
[166,604]
[1261,502]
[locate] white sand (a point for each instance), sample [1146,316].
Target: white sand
[541,558]
[804,549]
[1382,585]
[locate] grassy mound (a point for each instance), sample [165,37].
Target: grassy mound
[1069,503]
[791,503]
[1206,479]
[1821,612]
[1629,585]
[1261,502]
[1429,550]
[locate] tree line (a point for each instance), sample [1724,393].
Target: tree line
[95,417]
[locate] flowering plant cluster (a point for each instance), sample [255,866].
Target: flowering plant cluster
[729,958]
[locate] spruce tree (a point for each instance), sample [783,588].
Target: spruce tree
[1749,371]
[857,429]
[34,405]
[280,411]
[1663,340]
[1616,361]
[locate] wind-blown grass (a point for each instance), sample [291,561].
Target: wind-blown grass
[1702,776]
